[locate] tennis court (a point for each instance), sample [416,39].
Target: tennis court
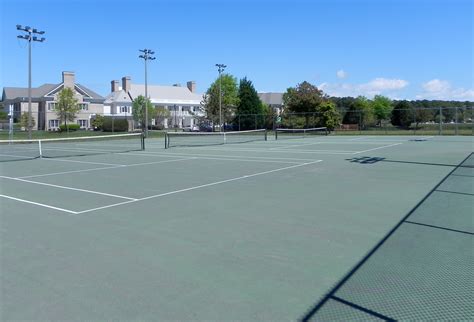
[318,227]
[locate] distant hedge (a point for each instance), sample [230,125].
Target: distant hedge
[119,125]
[69,127]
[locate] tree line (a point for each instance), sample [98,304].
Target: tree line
[304,105]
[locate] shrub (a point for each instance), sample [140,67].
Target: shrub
[69,127]
[118,125]
[98,122]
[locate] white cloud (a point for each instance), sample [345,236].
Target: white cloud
[442,90]
[436,86]
[341,74]
[384,84]
[375,87]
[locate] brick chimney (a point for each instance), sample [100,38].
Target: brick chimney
[69,79]
[126,83]
[191,86]
[115,86]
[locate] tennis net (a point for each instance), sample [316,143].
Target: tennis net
[183,139]
[281,134]
[11,150]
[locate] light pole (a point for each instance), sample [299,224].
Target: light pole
[220,69]
[175,120]
[29,37]
[147,55]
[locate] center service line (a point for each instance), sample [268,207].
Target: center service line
[201,186]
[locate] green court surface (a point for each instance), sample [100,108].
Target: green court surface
[320,228]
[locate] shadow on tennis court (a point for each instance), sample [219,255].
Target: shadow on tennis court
[421,269]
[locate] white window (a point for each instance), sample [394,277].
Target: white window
[83,106]
[82,124]
[125,109]
[53,124]
[51,106]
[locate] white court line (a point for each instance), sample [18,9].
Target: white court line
[225,157]
[103,168]
[381,147]
[279,151]
[67,188]
[20,156]
[39,204]
[200,186]
[85,162]
[205,157]
[359,138]
[295,145]
[68,172]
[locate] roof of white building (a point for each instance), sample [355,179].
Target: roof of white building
[166,94]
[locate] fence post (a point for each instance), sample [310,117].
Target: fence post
[414,121]
[456,120]
[440,120]
[360,122]
[239,122]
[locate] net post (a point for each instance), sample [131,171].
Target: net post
[142,141]
[40,149]
[166,140]
[276,134]
[266,134]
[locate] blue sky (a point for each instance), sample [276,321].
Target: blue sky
[400,48]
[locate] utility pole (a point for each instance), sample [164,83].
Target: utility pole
[28,36]
[147,55]
[220,69]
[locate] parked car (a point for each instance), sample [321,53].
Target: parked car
[205,128]
[194,128]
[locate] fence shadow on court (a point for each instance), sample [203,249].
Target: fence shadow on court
[421,270]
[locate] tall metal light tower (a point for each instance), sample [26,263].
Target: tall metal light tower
[28,36]
[220,69]
[147,55]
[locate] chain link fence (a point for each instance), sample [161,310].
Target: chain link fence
[413,121]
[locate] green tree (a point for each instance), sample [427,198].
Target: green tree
[162,114]
[304,98]
[66,107]
[230,99]
[24,120]
[269,116]
[97,122]
[304,101]
[359,112]
[422,115]
[138,110]
[3,115]
[362,104]
[330,117]
[249,106]
[381,107]
[402,114]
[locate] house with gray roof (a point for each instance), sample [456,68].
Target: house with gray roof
[44,98]
[183,102]
[274,100]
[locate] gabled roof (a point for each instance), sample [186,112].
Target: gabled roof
[271,98]
[13,93]
[166,94]
[118,97]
